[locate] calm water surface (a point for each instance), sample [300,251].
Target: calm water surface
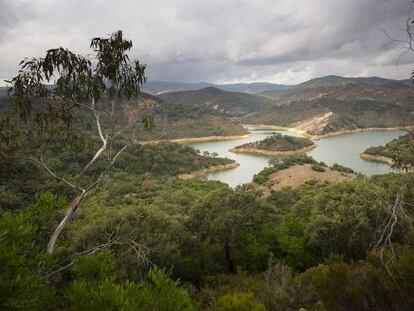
[344,150]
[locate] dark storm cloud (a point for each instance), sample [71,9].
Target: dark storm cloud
[283,41]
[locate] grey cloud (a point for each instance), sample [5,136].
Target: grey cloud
[11,13]
[234,40]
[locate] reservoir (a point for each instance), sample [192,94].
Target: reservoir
[343,149]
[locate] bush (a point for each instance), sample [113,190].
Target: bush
[318,168]
[21,286]
[238,302]
[342,169]
[95,287]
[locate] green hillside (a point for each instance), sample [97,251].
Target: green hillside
[331,104]
[324,116]
[219,102]
[171,121]
[395,146]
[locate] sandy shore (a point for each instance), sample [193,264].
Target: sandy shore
[376,158]
[196,139]
[209,138]
[207,170]
[273,153]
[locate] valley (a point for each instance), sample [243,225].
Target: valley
[207,155]
[339,149]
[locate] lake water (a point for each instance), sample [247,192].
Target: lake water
[343,149]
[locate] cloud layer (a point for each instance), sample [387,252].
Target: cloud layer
[281,41]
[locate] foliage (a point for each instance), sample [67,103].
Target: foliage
[318,168]
[278,142]
[238,302]
[170,159]
[342,169]
[94,286]
[399,150]
[337,285]
[226,218]
[21,264]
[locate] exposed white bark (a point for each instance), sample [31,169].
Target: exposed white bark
[72,208]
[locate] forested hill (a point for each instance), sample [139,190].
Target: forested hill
[172,121]
[230,104]
[333,104]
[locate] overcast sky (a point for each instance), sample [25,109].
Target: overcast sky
[281,41]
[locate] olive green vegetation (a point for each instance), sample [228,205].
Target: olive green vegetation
[143,229]
[217,101]
[145,240]
[20,180]
[278,142]
[171,121]
[318,168]
[392,148]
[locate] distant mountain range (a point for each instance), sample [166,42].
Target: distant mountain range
[332,80]
[3,90]
[160,87]
[319,106]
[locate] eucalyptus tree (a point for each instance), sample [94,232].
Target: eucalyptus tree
[58,97]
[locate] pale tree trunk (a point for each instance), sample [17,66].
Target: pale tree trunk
[72,208]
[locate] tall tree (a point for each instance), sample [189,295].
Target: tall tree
[57,97]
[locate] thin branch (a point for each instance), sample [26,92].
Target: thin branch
[42,163]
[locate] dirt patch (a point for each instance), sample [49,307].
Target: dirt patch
[297,175]
[195,139]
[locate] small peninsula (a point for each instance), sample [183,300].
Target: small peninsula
[386,152]
[277,145]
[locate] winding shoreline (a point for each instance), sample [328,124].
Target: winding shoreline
[368,129]
[273,153]
[376,158]
[318,137]
[208,170]
[196,139]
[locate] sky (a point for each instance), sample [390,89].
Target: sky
[279,41]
